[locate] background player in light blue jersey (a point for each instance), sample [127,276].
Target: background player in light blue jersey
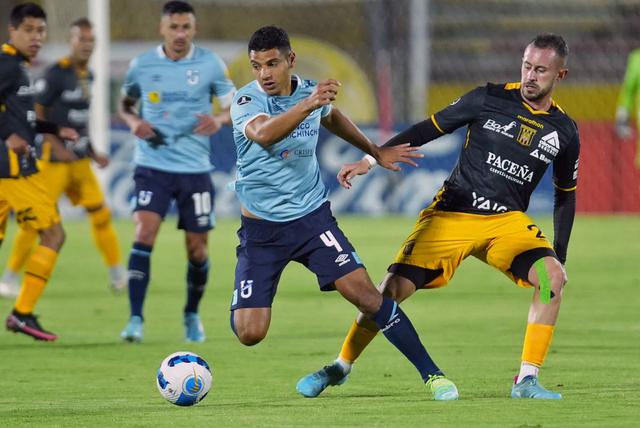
[285,213]
[174,85]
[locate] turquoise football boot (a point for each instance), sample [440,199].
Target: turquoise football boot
[530,388]
[193,329]
[133,331]
[313,384]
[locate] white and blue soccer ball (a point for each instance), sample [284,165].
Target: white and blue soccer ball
[184,378]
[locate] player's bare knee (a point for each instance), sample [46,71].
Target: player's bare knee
[250,335]
[53,237]
[368,303]
[197,252]
[145,235]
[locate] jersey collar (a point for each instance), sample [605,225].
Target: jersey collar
[161,54]
[9,49]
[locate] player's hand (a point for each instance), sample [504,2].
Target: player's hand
[207,124]
[387,157]
[351,170]
[101,160]
[69,134]
[18,144]
[324,93]
[143,130]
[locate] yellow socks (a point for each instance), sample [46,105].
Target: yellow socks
[37,273]
[536,345]
[105,236]
[357,340]
[23,243]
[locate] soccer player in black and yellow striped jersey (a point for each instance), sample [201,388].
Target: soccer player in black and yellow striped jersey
[514,132]
[30,201]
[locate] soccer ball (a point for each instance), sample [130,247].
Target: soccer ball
[184,378]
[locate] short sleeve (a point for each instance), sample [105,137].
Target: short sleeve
[244,109]
[222,87]
[461,111]
[565,166]
[48,87]
[131,86]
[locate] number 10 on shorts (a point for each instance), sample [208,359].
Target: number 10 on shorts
[201,203]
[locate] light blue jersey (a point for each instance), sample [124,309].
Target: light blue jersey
[171,94]
[282,182]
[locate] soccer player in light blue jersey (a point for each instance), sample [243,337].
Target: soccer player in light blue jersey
[174,85]
[285,213]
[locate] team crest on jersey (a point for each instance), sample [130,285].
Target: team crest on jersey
[153,97]
[526,134]
[245,99]
[193,77]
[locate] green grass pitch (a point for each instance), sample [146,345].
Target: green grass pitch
[473,328]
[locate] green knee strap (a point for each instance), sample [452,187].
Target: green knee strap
[543,279]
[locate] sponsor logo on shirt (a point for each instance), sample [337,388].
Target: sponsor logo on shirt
[530,122]
[494,126]
[541,156]
[25,90]
[304,130]
[509,169]
[72,95]
[550,143]
[153,97]
[483,203]
[297,153]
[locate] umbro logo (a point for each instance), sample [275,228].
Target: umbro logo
[343,259]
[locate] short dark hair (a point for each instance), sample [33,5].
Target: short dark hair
[24,10]
[270,37]
[82,23]
[551,41]
[172,7]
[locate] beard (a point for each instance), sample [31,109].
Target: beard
[538,96]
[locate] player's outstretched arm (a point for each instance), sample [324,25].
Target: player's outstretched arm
[339,124]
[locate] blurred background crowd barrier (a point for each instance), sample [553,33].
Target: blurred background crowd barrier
[399,61]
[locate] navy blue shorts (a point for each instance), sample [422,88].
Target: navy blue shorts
[193,194]
[266,247]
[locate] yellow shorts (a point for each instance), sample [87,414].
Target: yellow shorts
[75,179]
[440,240]
[30,201]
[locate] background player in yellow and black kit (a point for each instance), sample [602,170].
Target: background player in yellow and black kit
[63,98]
[34,208]
[514,132]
